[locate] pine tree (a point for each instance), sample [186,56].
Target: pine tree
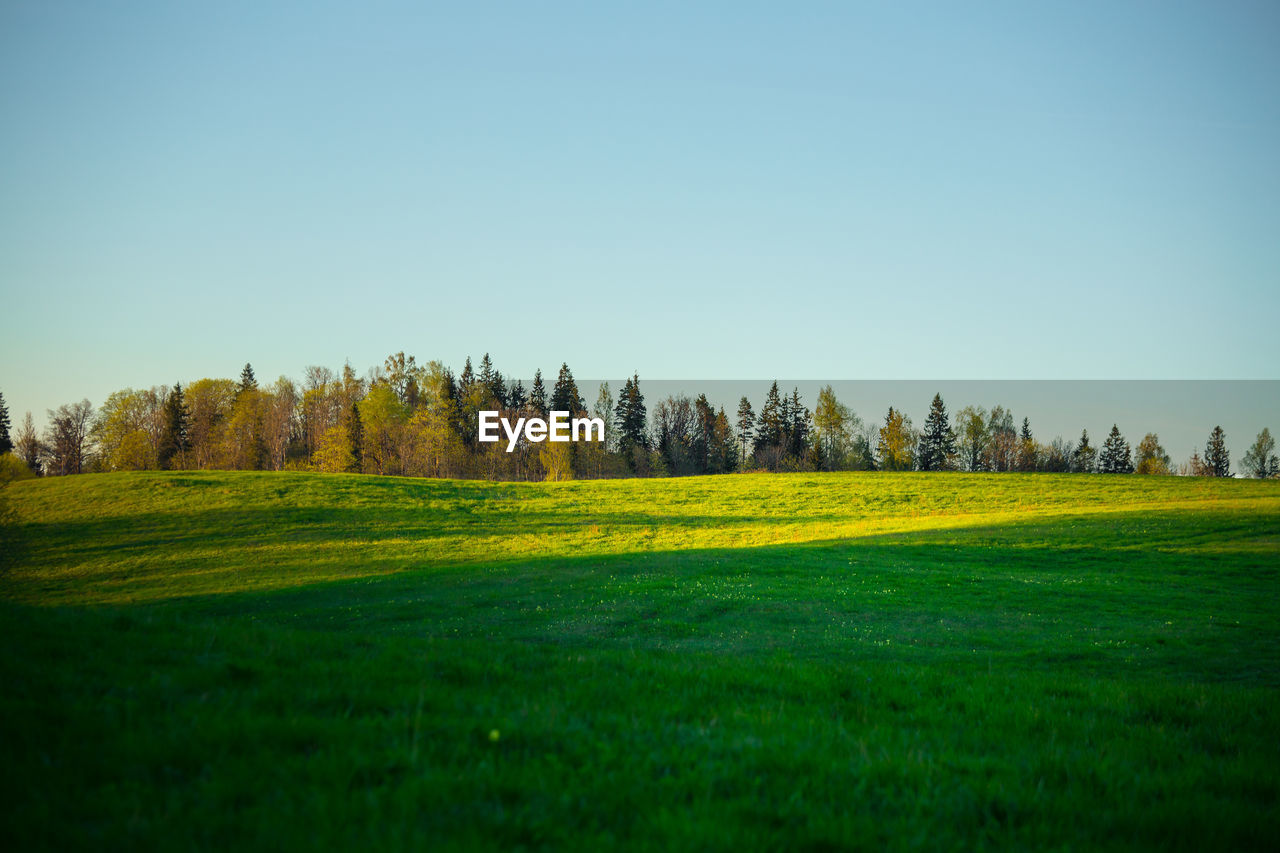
[498,389]
[355,434]
[1115,458]
[467,379]
[538,394]
[704,429]
[630,418]
[6,442]
[937,446]
[800,425]
[517,397]
[746,427]
[248,382]
[1026,448]
[565,396]
[769,426]
[1084,455]
[173,441]
[1216,455]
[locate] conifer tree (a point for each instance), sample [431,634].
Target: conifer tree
[704,429]
[800,426]
[1084,455]
[937,446]
[173,440]
[746,428]
[1115,458]
[248,382]
[565,396]
[1026,448]
[467,378]
[538,394]
[355,434]
[517,397]
[6,441]
[769,427]
[1216,455]
[630,418]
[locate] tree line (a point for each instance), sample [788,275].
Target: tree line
[411,419]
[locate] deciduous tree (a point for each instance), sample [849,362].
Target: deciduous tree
[894,448]
[1151,456]
[1260,460]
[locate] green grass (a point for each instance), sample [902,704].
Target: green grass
[778,661]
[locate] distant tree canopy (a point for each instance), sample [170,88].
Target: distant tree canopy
[1260,459]
[418,419]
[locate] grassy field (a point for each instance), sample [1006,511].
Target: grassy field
[202,660]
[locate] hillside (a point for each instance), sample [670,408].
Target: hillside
[212,658]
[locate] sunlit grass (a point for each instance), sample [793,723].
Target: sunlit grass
[210,659]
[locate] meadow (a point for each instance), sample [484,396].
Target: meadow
[808,661]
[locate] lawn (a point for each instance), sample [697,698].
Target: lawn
[216,659]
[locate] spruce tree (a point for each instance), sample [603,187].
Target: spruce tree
[769,427]
[1026,448]
[937,446]
[1115,458]
[1084,455]
[1216,455]
[173,440]
[468,378]
[517,397]
[6,441]
[538,394]
[355,434]
[630,419]
[704,430]
[799,428]
[248,382]
[565,396]
[746,427]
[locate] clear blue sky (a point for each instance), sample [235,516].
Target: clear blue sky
[843,190]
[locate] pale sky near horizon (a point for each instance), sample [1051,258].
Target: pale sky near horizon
[720,190]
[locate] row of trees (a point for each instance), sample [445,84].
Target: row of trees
[406,418]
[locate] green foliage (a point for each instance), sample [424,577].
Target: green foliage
[937,446]
[174,441]
[565,396]
[538,395]
[6,442]
[632,418]
[801,661]
[1115,457]
[1217,459]
[1151,456]
[1260,460]
[1084,458]
[894,449]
